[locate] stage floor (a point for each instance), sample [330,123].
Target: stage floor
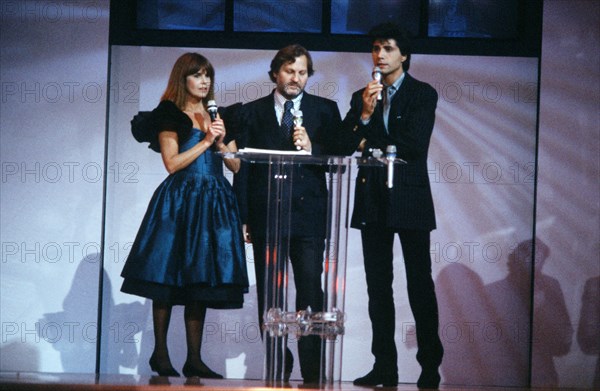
[20,381]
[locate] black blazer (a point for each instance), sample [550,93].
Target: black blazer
[259,129]
[409,204]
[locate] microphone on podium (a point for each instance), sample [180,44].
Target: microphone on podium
[390,155]
[211,107]
[377,76]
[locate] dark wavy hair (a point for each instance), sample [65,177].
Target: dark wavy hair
[389,30]
[288,55]
[188,64]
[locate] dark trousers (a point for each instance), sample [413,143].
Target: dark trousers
[306,257]
[378,258]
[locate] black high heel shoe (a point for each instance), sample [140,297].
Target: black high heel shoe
[190,370]
[161,368]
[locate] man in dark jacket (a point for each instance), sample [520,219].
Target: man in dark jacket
[403,117]
[266,124]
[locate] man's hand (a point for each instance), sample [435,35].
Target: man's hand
[369,98]
[301,138]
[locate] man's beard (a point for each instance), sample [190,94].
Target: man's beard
[290,94]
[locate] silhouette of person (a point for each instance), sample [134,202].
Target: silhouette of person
[511,304]
[588,332]
[464,313]
[77,341]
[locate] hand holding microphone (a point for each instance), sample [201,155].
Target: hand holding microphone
[377,77]
[370,100]
[298,122]
[211,107]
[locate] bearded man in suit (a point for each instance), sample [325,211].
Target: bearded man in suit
[266,124]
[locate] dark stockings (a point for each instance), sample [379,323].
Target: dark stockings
[194,315]
[161,316]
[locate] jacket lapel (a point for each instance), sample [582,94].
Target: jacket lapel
[309,114]
[272,136]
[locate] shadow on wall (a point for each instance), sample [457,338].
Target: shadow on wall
[588,332]
[19,355]
[76,326]
[231,345]
[485,328]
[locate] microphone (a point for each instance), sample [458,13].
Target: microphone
[211,107]
[298,122]
[377,76]
[390,155]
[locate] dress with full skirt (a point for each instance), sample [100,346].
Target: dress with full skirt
[189,246]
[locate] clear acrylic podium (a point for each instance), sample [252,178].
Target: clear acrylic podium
[281,320]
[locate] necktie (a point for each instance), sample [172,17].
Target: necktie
[387,99]
[287,122]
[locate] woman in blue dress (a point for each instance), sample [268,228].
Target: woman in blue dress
[189,249]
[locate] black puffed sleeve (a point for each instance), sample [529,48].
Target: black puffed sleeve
[146,125]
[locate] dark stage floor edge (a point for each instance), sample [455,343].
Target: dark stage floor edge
[21,381]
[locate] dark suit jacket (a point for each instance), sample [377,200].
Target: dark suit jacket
[259,129]
[409,204]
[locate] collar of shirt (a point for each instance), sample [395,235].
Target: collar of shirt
[280,101]
[395,86]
